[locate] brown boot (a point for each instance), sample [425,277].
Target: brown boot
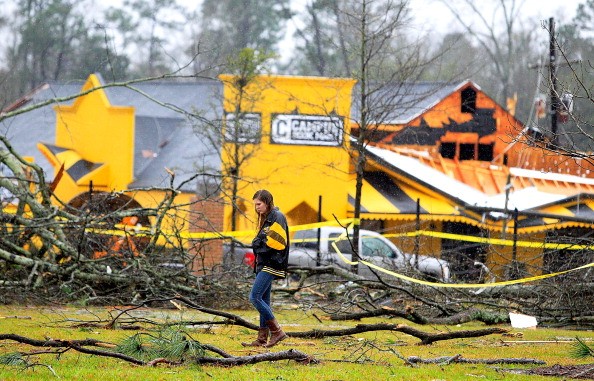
[276,333]
[261,340]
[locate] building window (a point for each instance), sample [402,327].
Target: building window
[466,151]
[468,101]
[485,152]
[447,150]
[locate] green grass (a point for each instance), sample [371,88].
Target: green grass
[369,356]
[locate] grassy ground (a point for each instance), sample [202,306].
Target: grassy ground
[370,356]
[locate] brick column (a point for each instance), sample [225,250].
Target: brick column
[206,215]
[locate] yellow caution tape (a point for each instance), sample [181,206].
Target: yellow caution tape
[452,285]
[251,233]
[492,241]
[123,230]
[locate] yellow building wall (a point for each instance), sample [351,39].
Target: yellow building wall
[100,133]
[500,257]
[396,231]
[295,174]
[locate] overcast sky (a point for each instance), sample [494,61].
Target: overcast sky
[432,17]
[433,14]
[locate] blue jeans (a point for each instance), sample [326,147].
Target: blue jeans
[260,296]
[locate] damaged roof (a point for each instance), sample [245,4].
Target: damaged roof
[400,103]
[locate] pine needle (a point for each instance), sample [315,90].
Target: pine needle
[169,343]
[12,359]
[581,350]
[134,346]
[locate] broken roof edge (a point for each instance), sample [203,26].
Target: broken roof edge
[436,102]
[455,86]
[460,193]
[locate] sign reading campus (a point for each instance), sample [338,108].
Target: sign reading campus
[307,129]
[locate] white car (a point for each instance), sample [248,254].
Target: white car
[373,248]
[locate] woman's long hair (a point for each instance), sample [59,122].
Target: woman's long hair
[266,197]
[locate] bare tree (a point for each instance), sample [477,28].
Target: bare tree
[236,133]
[52,40]
[241,130]
[509,41]
[87,249]
[386,65]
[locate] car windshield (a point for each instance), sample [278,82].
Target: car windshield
[373,247]
[343,244]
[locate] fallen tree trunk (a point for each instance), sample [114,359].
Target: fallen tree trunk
[290,354]
[459,359]
[410,314]
[425,337]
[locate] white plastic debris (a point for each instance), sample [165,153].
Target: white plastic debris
[522,321]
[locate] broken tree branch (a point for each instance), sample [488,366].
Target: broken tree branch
[471,314]
[77,345]
[425,337]
[290,354]
[225,360]
[459,359]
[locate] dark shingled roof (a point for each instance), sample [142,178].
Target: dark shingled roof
[400,103]
[25,130]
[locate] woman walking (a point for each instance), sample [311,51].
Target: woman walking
[271,248]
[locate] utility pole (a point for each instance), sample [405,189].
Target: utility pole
[553,82]
[555,101]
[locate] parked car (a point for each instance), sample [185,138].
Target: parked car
[373,248]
